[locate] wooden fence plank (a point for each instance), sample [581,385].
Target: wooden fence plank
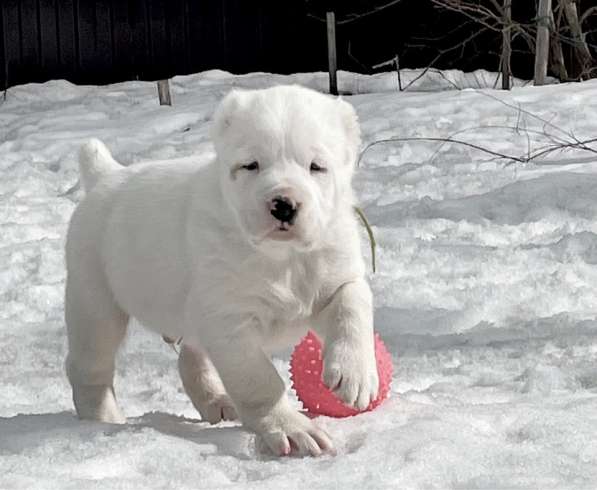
[175,23]
[140,47]
[122,40]
[48,37]
[158,37]
[12,46]
[103,41]
[30,62]
[241,29]
[187,36]
[206,29]
[85,29]
[12,43]
[3,81]
[67,38]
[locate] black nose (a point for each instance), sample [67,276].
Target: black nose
[283,209]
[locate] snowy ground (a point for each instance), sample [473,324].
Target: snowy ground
[486,295]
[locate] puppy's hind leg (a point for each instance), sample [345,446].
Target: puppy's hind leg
[96,327]
[202,383]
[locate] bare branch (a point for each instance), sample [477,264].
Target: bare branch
[587,14]
[375,10]
[440,54]
[580,145]
[528,113]
[516,129]
[477,13]
[354,16]
[558,144]
[442,140]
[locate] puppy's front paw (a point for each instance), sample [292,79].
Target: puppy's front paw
[284,432]
[216,409]
[350,371]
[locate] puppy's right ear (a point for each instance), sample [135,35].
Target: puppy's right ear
[225,111]
[350,121]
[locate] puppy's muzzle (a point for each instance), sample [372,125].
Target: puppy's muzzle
[284,209]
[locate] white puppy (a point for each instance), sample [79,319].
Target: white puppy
[237,257]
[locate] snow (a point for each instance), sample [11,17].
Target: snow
[485,293]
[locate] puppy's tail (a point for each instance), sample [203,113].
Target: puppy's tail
[95,160]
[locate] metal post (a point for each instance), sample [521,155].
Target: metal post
[164,92]
[506,44]
[397,63]
[332,60]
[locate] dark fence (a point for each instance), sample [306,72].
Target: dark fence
[102,41]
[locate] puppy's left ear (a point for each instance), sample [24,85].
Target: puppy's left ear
[226,110]
[350,122]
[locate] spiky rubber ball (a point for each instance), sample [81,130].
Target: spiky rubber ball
[306,373]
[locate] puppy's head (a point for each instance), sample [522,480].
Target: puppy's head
[286,157]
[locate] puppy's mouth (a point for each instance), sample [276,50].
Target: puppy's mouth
[277,232]
[281,237]
[283,226]
[282,232]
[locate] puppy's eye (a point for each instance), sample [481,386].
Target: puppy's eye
[317,168]
[251,166]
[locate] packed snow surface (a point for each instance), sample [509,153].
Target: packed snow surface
[486,293]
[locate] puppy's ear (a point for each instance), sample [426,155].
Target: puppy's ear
[350,122]
[231,104]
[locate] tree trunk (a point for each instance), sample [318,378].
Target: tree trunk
[542,42]
[558,65]
[581,47]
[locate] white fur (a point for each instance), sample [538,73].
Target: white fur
[193,250]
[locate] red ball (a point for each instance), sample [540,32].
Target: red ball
[306,373]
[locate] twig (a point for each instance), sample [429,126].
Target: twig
[528,113]
[372,242]
[494,126]
[354,58]
[581,145]
[477,13]
[443,140]
[354,17]
[576,143]
[587,14]
[440,54]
